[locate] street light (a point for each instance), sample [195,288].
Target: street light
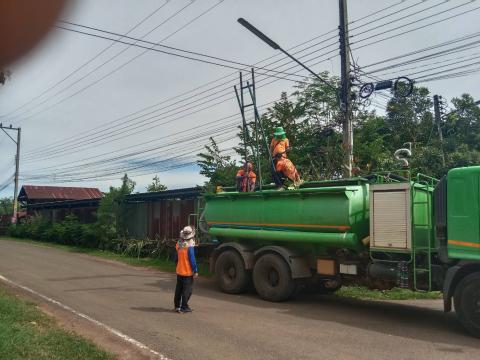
[275,46]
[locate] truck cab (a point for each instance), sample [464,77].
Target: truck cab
[457,225]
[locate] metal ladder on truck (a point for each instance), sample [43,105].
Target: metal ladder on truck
[422,245]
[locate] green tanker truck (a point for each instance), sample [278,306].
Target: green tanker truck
[383,231]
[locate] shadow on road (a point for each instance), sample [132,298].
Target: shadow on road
[403,320]
[154,309]
[106,276]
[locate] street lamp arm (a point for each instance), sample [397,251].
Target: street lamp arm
[275,46]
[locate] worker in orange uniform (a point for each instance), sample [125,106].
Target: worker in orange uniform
[186,269]
[279,143]
[283,166]
[246,178]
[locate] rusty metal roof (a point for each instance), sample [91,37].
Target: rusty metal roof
[57,193]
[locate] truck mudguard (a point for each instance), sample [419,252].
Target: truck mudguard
[297,263]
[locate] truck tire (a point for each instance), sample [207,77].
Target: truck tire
[467,303]
[230,273]
[272,278]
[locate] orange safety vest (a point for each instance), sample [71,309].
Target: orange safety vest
[286,167]
[184,266]
[279,147]
[250,180]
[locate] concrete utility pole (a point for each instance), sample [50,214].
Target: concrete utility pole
[345,97]
[17,165]
[438,120]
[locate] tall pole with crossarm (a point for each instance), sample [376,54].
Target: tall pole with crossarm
[5,129]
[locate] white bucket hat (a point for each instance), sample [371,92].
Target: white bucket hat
[187,233]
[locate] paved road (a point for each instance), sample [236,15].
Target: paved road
[138,302]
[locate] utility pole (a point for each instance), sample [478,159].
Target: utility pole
[345,97]
[438,120]
[17,165]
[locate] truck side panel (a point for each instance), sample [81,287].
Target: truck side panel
[463,213]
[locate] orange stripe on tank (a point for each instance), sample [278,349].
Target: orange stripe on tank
[338,227]
[464,243]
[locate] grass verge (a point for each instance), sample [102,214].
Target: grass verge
[27,333]
[363,293]
[156,263]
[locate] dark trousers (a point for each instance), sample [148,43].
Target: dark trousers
[183,291]
[278,178]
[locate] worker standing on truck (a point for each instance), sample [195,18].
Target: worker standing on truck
[186,269]
[246,178]
[283,166]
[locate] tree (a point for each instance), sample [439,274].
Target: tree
[128,185]
[156,185]
[312,121]
[112,215]
[219,169]
[6,206]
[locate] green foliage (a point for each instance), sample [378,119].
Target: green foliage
[363,293]
[218,168]
[156,185]
[68,232]
[312,120]
[112,214]
[6,206]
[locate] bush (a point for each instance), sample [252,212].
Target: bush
[67,232]
[89,237]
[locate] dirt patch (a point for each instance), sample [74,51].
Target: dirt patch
[66,320]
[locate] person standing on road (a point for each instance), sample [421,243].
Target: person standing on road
[186,269]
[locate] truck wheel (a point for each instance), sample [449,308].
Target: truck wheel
[467,303]
[230,273]
[272,279]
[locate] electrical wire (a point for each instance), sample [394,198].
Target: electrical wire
[100,53]
[108,61]
[151,120]
[363,18]
[415,29]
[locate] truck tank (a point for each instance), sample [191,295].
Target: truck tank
[327,215]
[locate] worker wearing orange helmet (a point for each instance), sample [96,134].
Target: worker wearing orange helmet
[246,178]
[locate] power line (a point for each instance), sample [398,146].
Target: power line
[153,120]
[168,100]
[309,41]
[87,62]
[109,60]
[417,28]
[329,32]
[399,19]
[184,51]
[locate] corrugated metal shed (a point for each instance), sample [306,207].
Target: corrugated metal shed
[161,214]
[36,194]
